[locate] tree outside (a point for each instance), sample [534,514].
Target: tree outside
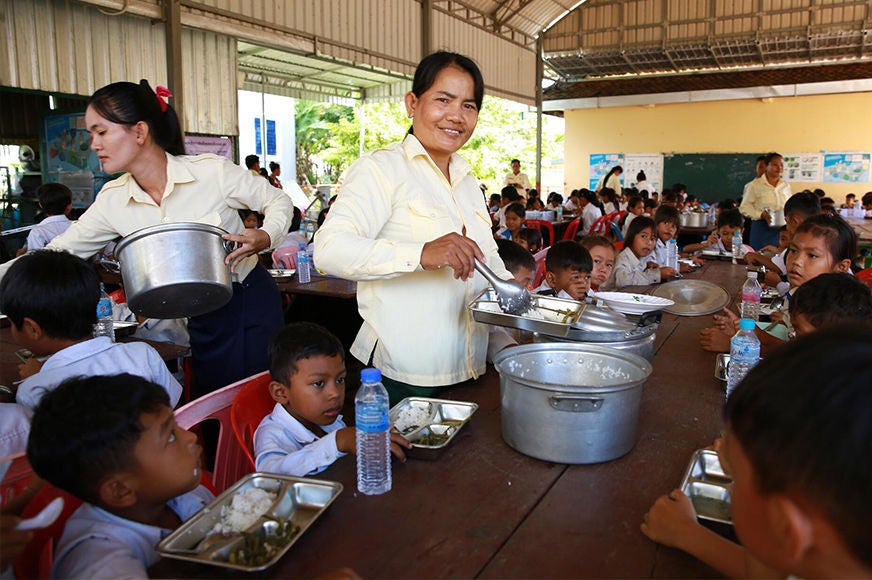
[328,138]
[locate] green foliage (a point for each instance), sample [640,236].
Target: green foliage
[328,138]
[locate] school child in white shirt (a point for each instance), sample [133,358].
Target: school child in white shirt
[113,442]
[305,432]
[635,265]
[567,271]
[56,200]
[51,299]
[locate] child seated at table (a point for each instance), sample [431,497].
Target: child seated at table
[514,216]
[721,240]
[51,299]
[635,207]
[635,266]
[666,221]
[812,306]
[113,442]
[650,206]
[56,200]
[602,254]
[530,239]
[797,427]
[567,271]
[518,260]
[820,245]
[305,432]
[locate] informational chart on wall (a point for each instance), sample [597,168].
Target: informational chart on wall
[650,163]
[601,163]
[802,167]
[847,166]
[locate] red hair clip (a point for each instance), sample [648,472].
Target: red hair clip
[162,94]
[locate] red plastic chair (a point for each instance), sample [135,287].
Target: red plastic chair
[865,276]
[251,404]
[36,559]
[231,462]
[572,229]
[16,478]
[546,227]
[539,275]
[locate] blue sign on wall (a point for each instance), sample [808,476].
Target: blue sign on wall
[270,137]
[257,138]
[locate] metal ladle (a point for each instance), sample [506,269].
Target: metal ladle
[512,298]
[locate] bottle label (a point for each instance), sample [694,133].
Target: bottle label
[372,420]
[104,308]
[750,297]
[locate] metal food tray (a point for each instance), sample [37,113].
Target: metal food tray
[485,309]
[281,273]
[717,255]
[708,487]
[299,500]
[442,410]
[721,364]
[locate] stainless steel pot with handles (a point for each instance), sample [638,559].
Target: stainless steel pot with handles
[174,270]
[570,403]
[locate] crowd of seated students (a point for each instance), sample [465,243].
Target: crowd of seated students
[112,440]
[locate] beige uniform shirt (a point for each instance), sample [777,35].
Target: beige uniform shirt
[760,194]
[205,189]
[415,323]
[517,179]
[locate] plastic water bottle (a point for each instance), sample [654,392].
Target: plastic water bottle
[751,292]
[737,247]
[560,212]
[373,438]
[310,230]
[304,273]
[744,353]
[672,254]
[104,326]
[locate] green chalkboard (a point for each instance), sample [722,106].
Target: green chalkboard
[710,176]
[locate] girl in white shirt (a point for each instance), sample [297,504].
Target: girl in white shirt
[632,267]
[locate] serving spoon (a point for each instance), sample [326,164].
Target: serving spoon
[511,298]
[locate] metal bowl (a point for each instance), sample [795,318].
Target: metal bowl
[693,297]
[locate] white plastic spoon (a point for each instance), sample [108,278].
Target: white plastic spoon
[45,518]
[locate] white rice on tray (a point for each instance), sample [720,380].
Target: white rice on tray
[244,510]
[412,417]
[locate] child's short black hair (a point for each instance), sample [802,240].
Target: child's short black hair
[641,222]
[516,208]
[650,203]
[296,341]
[54,198]
[86,429]
[633,201]
[669,196]
[665,214]
[726,204]
[815,301]
[533,237]
[59,291]
[296,220]
[592,241]
[732,218]
[804,203]
[802,418]
[840,237]
[509,192]
[568,254]
[515,256]
[495,198]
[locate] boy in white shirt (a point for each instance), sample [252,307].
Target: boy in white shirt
[567,271]
[305,432]
[51,299]
[113,442]
[56,200]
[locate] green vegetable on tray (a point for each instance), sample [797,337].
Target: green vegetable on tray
[259,548]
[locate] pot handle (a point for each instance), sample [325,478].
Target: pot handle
[230,246]
[576,404]
[112,266]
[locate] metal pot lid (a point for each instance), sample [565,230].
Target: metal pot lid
[693,297]
[602,324]
[168,227]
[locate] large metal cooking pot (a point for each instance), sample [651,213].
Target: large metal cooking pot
[175,270]
[776,218]
[607,327]
[570,403]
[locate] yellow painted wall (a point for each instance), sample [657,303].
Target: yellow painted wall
[786,125]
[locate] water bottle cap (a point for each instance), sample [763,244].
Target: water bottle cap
[370,376]
[302,246]
[747,324]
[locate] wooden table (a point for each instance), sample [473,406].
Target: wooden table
[485,510]
[326,286]
[863,227]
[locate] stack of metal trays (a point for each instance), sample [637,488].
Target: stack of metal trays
[708,487]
